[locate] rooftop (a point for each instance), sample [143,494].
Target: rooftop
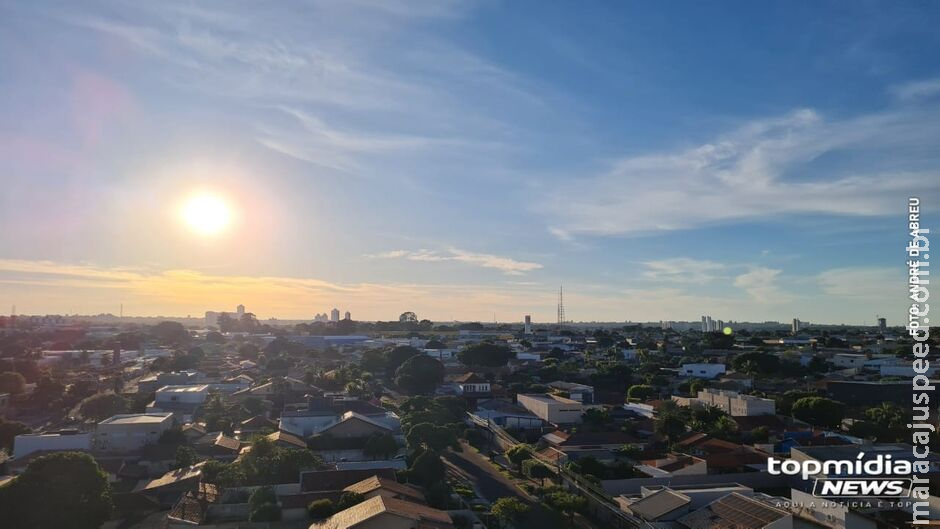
[659,503]
[195,388]
[138,418]
[548,398]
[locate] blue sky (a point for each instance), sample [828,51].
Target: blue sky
[462,159]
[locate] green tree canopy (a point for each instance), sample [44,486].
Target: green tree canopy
[484,354]
[819,411]
[63,489]
[101,406]
[419,374]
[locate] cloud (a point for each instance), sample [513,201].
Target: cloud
[915,90]
[766,168]
[682,270]
[506,265]
[760,284]
[872,283]
[50,287]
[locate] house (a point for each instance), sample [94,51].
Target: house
[258,423]
[131,432]
[707,371]
[723,456]
[193,431]
[286,440]
[355,425]
[184,400]
[553,408]
[379,486]
[322,412]
[218,446]
[167,489]
[740,512]
[472,385]
[674,465]
[505,414]
[664,505]
[380,512]
[151,383]
[62,440]
[600,445]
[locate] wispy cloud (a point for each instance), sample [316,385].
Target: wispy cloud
[682,270]
[764,169]
[872,283]
[915,90]
[505,265]
[760,283]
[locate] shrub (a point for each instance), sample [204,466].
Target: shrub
[319,509]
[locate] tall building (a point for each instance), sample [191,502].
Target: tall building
[795,326]
[882,325]
[528,324]
[334,314]
[347,316]
[704,323]
[240,310]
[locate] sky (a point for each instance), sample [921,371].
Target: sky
[463,159]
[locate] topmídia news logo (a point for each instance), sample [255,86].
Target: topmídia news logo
[878,477]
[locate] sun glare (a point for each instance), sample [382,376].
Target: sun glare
[207,214]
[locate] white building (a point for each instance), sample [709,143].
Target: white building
[65,440]
[334,314]
[552,408]
[527,329]
[708,371]
[734,403]
[130,432]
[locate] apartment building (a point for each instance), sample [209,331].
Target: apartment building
[734,403]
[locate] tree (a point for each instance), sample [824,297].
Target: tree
[640,392]
[170,333]
[101,406]
[419,374]
[761,434]
[380,445]
[819,411]
[566,502]
[63,489]
[518,453]
[431,436]
[374,361]
[427,469]
[185,457]
[12,383]
[8,432]
[509,510]
[484,354]
[349,499]
[320,509]
[535,469]
[670,426]
[397,356]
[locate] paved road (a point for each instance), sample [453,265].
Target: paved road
[491,484]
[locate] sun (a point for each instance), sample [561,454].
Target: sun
[207,214]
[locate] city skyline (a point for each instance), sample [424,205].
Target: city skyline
[420,156]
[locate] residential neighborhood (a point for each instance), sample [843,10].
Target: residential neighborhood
[189,424]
